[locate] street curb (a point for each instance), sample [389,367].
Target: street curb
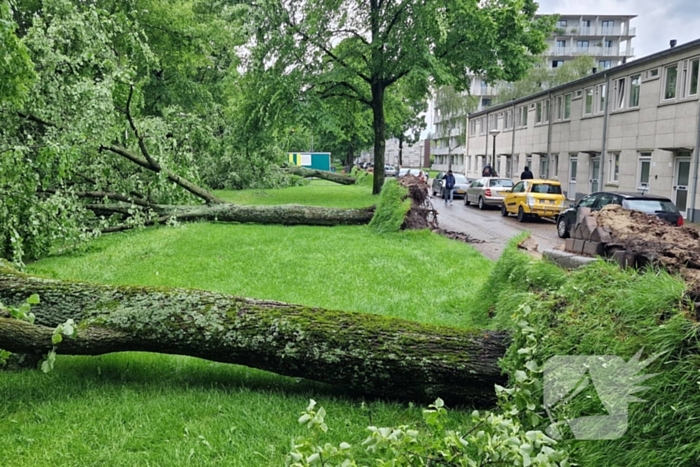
[567,260]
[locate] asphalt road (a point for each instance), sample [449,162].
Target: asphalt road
[493,229]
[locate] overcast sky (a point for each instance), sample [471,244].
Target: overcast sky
[657,21]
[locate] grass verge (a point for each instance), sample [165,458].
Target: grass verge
[145,409]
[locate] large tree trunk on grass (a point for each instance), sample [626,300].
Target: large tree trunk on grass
[288,214]
[371,354]
[330,176]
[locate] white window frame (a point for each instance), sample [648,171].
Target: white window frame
[588,92]
[644,157]
[665,83]
[559,108]
[639,87]
[544,166]
[600,96]
[614,167]
[554,166]
[538,112]
[621,99]
[567,114]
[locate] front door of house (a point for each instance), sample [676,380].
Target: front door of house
[595,174]
[573,168]
[681,180]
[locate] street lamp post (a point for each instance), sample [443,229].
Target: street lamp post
[494,133]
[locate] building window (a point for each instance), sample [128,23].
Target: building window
[614,171]
[586,23]
[693,81]
[559,108]
[605,64]
[544,167]
[635,87]
[546,110]
[561,23]
[578,93]
[644,170]
[538,112]
[620,90]
[557,63]
[528,161]
[608,44]
[652,73]
[670,82]
[555,166]
[561,43]
[486,102]
[582,46]
[600,91]
[588,107]
[567,106]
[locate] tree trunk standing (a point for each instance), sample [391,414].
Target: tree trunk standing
[400,150]
[350,158]
[379,136]
[371,354]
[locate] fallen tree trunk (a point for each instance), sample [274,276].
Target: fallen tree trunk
[371,354]
[330,176]
[287,214]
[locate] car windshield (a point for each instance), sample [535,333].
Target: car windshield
[460,179]
[505,182]
[546,188]
[649,206]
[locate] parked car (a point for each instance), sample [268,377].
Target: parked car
[650,204]
[461,184]
[406,171]
[533,198]
[390,171]
[487,191]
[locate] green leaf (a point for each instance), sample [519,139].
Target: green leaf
[33,299]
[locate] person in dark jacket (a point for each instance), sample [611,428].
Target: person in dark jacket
[527,174]
[488,171]
[449,186]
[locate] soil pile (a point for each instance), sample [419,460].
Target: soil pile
[422,214]
[653,241]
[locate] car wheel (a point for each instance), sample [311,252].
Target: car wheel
[522,217]
[466,200]
[562,229]
[504,211]
[482,206]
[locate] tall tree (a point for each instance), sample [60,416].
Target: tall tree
[357,49]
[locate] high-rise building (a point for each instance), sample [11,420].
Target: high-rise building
[607,38]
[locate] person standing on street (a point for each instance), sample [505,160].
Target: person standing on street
[488,171]
[527,174]
[449,181]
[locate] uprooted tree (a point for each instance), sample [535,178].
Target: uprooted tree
[370,354]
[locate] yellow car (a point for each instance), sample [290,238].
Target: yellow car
[534,198]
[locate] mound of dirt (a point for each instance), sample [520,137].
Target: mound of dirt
[422,214]
[653,241]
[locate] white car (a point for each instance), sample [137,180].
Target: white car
[390,171]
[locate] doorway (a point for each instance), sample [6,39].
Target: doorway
[681,180]
[595,173]
[573,168]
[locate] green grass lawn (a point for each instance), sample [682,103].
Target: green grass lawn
[316,193]
[158,410]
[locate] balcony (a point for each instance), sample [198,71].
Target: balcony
[595,51]
[595,31]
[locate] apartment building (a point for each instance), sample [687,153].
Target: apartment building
[607,38]
[632,128]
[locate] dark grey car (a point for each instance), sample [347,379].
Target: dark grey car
[658,205]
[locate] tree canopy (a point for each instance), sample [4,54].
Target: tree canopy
[357,50]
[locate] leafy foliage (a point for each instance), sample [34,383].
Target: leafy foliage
[358,51]
[603,310]
[391,209]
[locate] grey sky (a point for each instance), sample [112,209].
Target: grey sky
[657,22]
